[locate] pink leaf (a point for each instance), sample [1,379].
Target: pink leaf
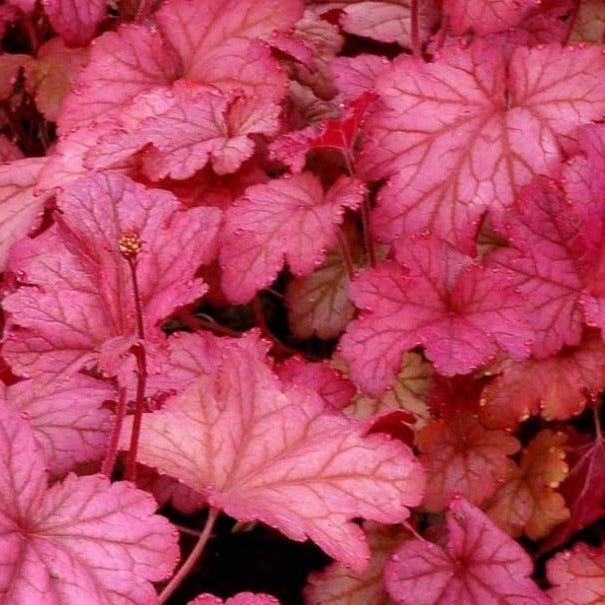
[355,75]
[452,146]
[577,575]
[75,21]
[260,450]
[462,313]
[486,16]
[9,150]
[69,423]
[20,208]
[337,585]
[544,264]
[242,598]
[82,308]
[289,219]
[334,388]
[480,564]
[81,538]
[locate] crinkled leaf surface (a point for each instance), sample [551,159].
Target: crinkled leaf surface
[81,540]
[544,264]
[260,450]
[78,305]
[454,146]
[318,303]
[289,218]
[462,457]
[486,16]
[557,387]
[68,421]
[480,564]
[414,381]
[528,502]
[75,20]
[578,576]
[20,207]
[337,585]
[461,312]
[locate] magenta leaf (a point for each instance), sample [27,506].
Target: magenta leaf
[486,16]
[289,219]
[452,146]
[480,564]
[75,20]
[78,304]
[461,312]
[69,423]
[544,264]
[82,538]
[261,450]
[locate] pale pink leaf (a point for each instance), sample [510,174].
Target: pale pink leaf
[75,21]
[20,207]
[355,75]
[480,564]
[337,585]
[577,576]
[486,16]
[330,384]
[82,308]
[289,219]
[123,65]
[83,538]
[262,451]
[462,313]
[69,423]
[454,147]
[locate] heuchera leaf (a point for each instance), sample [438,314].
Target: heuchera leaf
[318,303]
[264,451]
[337,585]
[544,264]
[83,539]
[81,308]
[289,218]
[356,75]
[527,502]
[577,575]
[584,490]
[75,20]
[414,381]
[486,16]
[480,564]
[557,387]
[461,312]
[454,147]
[68,421]
[335,389]
[20,207]
[462,457]
[242,598]
[189,131]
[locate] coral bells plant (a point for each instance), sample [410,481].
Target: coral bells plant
[302,302]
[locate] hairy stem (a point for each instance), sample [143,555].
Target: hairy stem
[191,560]
[112,449]
[138,350]
[345,252]
[143,10]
